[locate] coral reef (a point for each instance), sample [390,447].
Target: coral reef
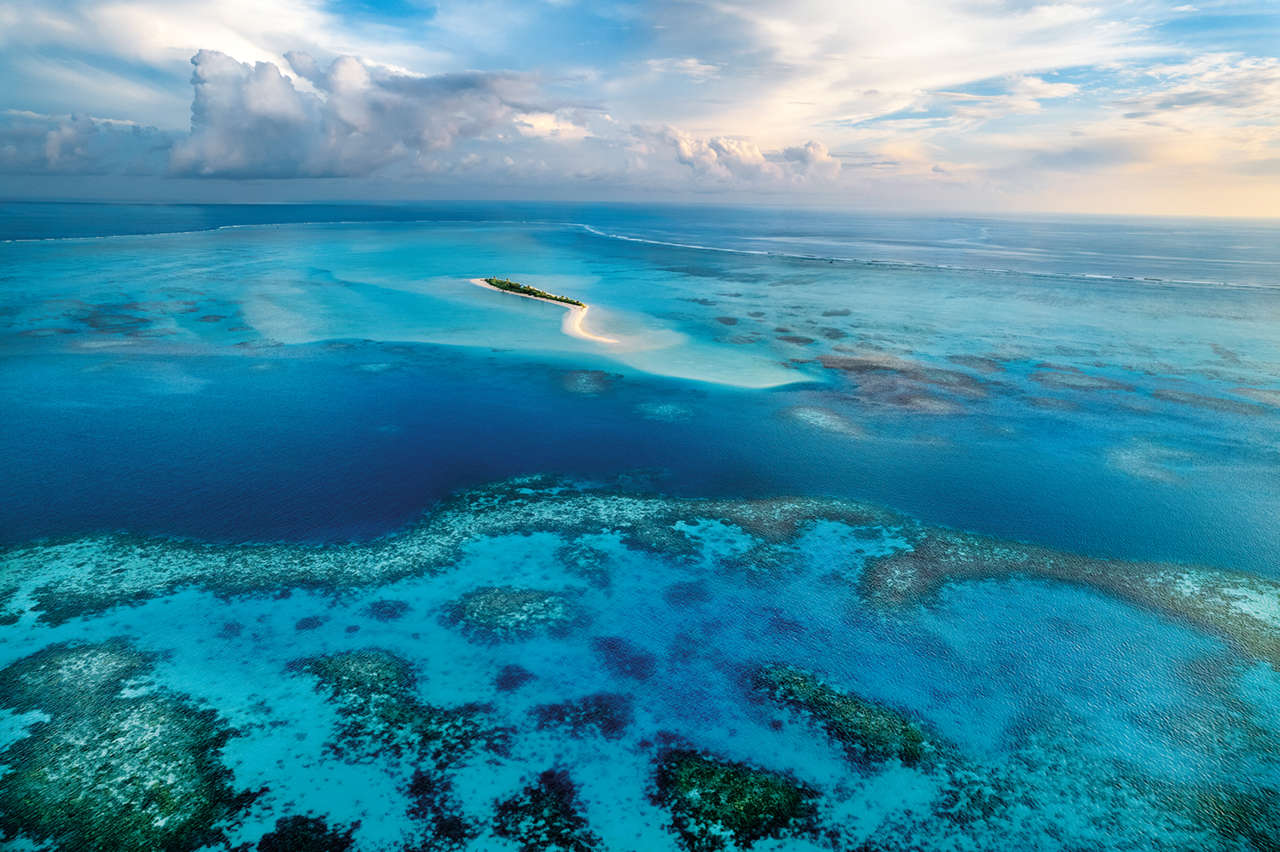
[386,610]
[434,807]
[624,658]
[545,816]
[1234,815]
[589,563]
[374,693]
[826,420]
[1072,378]
[506,613]
[867,732]
[1210,403]
[512,677]
[63,580]
[1241,608]
[606,713]
[306,834]
[712,801]
[73,578]
[111,768]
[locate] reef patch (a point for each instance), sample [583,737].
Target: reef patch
[506,614]
[608,714]
[111,766]
[867,732]
[545,816]
[374,692]
[307,834]
[714,801]
[1241,608]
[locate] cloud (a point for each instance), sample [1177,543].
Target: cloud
[1247,86]
[32,143]
[251,121]
[999,98]
[687,67]
[721,156]
[812,158]
[725,158]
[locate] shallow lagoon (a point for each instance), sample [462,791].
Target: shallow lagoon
[318,389]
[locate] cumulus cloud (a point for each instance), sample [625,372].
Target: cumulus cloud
[720,156]
[252,121]
[349,118]
[726,158]
[813,159]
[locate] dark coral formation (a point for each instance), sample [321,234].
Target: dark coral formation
[375,694]
[545,816]
[688,593]
[507,613]
[712,801]
[307,834]
[1072,378]
[1233,815]
[434,807]
[981,363]
[623,658]
[606,713]
[111,769]
[387,610]
[8,615]
[885,379]
[1210,403]
[867,732]
[512,677]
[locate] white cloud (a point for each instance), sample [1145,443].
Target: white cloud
[687,67]
[251,121]
[550,125]
[738,159]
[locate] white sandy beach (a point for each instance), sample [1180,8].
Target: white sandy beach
[572,322]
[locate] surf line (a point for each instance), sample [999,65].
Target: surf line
[573,320]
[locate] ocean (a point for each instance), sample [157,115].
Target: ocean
[868,532]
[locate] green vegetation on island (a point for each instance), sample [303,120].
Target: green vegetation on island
[526,290]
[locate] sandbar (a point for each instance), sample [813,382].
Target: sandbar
[573,319]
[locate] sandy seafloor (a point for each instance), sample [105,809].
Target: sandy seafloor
[310,544]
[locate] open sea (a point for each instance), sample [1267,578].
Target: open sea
[867,533]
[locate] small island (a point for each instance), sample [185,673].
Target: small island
[534,292]
[573,320]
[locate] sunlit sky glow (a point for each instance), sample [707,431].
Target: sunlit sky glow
[1103,107]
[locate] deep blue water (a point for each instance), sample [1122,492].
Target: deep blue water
[325,373]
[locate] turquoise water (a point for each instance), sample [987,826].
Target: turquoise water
[247,439]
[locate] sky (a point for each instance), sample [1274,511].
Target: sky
[1125,107]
